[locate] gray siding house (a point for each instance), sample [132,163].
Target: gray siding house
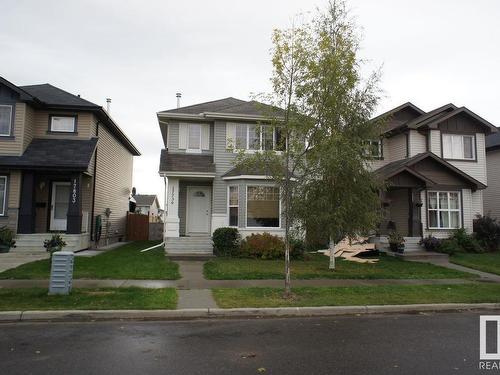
[492,193]
[63,162]
[205,191]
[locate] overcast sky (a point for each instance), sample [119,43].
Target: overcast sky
[140,53]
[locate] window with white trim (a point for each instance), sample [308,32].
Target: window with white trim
[194,137]
[241,136]
[3,194]
[459,146]
[444,209]
[263,206]
[374,148]
[63,124]
[5,120]
[233,205]
[254,137]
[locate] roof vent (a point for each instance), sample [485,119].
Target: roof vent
[178,96]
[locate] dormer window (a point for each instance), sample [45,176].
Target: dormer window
[5,120]
[63,124]
[459,147]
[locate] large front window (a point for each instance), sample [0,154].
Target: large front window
[263,206]
[444,209]
[5,120]
[3,194]
[459,146]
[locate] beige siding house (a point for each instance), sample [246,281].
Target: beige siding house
[491,196]
[63,162]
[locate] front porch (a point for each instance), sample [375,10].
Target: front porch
[54,202]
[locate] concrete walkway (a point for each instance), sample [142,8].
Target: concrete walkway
[14,259]
[483,276]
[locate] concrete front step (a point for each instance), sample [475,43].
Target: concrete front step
[189,246]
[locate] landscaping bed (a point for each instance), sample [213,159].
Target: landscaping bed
[487,262]
[124,262]
[359,295]
[317,268]
[89,299]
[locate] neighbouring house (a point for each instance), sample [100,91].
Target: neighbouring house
[492,192]
[148,205]
[205,190]
[63,163]
[435,166]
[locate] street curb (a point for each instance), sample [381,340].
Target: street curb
[214,313]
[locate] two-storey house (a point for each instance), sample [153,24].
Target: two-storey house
[434,164]
[63,163]
[205,190]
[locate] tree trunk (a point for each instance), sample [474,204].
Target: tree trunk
[331,246]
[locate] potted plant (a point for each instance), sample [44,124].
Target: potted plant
[56,243]
[6,239]
[396,242]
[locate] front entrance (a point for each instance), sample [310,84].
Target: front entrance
[198,210]
[59,206]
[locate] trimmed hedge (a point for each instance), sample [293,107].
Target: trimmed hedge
[226,241]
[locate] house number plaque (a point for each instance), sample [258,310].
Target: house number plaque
[74,193]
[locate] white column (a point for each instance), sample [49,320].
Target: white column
[173,207]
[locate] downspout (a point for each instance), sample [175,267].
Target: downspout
[94,185]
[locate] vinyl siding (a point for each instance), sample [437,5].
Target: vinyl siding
[12,201]
[173,138]
[85,121]
[492,192]
[476,169]
[417,143]
[13,145]
[113,182]
[435,142]
[397,147]
[29,126]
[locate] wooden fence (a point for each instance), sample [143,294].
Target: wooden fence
[137,227]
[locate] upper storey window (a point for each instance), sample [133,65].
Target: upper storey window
[253,137]
[459,147]
[374,149]
[194,137]
[63,124]
[5,120]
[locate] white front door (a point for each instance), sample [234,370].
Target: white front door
[198,210]
[59,206]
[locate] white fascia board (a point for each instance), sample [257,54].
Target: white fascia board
[238,116]
[184,116]
[186,174]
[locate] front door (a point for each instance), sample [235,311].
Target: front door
[198,210]
[59,206]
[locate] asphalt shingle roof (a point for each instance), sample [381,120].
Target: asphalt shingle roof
[493,140]
[70,154]
[52,95]
[144,199]
[170,162]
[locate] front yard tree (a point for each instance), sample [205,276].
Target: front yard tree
[325,125]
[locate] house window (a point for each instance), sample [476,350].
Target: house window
[256,137]
[194,137]
[3,194]
[263,206]
[5,120]
[457,146]
[63,124]
[241,136]
[233,206]
[374,149]
[444,209]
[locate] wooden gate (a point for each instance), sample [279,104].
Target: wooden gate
[137,227]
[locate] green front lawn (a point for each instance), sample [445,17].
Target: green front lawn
[359,295]
[489,262]
[317,268]
[124,262]
[89,299]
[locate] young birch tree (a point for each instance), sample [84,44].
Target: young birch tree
[322,107]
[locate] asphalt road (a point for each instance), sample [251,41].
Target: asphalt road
[384,344]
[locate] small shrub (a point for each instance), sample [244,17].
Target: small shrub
[448,246]
[56,243]
[297,249]
[7,237]
[226,241]
[460,242]
[430,243]
[487,231]
[262,246]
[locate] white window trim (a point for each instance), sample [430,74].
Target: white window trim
[462,136]
[247,149]
[62,131]
[193,150]
[246,208]
[447,210]
[379,148]
[229,206]
[4,195]
[10,120]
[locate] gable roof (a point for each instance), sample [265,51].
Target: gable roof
[145,199]
[493,141]
[224,108]
[48,153]
[398,166]
[399,108]
[51,97]
[54,96]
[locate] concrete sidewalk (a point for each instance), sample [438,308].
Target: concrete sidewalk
[15,259]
